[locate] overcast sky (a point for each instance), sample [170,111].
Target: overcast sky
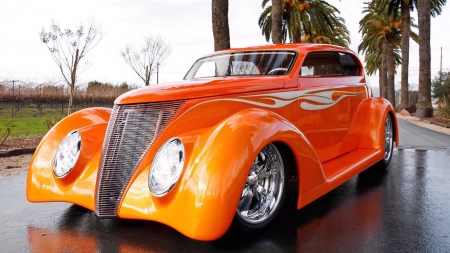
[185,24]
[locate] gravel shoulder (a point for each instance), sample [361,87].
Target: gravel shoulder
[13,165]
[424,124]
[10,166]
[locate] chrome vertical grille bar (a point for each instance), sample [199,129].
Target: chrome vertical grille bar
[131,131]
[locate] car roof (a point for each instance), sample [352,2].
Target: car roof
[304,47]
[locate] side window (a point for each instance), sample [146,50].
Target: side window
[241,68]
[322,64]
[349,66]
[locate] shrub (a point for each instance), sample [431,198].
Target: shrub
[441,91]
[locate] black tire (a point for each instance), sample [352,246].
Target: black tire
[250,206]
[388,142]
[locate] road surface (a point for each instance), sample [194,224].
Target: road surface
[405,208]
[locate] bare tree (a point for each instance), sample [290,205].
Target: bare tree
[68,48]
[146,60]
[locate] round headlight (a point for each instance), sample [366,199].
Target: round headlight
[67,154]
[166,167]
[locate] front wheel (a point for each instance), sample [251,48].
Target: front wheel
[264,191]
[388,143]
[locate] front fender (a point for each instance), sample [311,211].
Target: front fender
[203,203]
[79,185]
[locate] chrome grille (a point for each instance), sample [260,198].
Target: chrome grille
[131,131]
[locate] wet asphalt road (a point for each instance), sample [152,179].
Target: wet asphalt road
[405,208]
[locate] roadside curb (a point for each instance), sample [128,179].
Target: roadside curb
[17,152]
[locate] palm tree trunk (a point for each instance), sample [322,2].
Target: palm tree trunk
[424,106]
[221,30]
[391,74]
[277,18]
[380,80]
[406,24]
[384,70]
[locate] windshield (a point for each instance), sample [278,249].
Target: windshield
[243,64]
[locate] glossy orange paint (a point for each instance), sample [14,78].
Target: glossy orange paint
[333,127]
[77,187]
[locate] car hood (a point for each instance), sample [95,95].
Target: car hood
[200,88]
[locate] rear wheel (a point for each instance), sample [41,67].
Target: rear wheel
[388,142]
[264,191]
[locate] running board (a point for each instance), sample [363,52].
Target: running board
[339,170]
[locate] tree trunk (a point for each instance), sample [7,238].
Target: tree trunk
[424,106]
[69,108]
[221,31]
[391,73]
[296,37]
[406,24]
[147,75]
[277,18]
[384,70]
[380,81]
[73,78]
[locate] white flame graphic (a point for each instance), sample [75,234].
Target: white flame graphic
[324,99]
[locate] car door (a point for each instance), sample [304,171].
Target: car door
[328,101]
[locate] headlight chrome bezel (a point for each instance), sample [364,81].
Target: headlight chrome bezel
[64,144]
[157,161]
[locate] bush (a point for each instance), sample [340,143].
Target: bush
[441,91]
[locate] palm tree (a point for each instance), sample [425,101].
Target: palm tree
[340,36]
[424,9]
[301,18]
[221,30]
[277,21]
[405,7]
[381,33]
[373,62]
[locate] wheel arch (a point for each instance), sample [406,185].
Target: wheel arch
[219,164]
[373,124]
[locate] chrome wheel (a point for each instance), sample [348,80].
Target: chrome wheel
[388,140]
[264,187]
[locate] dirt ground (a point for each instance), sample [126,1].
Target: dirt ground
[12,143]
[10,166]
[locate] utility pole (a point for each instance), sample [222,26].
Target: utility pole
[440,69]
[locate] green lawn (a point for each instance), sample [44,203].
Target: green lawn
[28,122]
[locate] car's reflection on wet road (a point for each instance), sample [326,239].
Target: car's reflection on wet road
[403,209]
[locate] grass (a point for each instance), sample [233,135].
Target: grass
[28,122]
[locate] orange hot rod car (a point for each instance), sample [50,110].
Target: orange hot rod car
[218,147]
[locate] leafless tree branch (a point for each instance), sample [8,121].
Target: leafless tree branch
[145,61]
[68,48]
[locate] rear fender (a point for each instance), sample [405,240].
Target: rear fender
[372,135]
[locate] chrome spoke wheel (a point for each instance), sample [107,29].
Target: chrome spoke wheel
[263,189]
[388,140]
